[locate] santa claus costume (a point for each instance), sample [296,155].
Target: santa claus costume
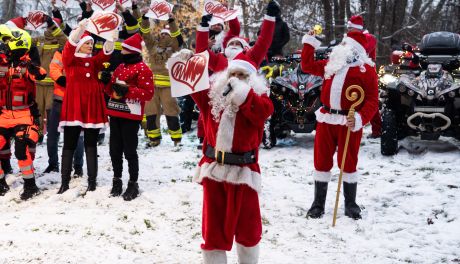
[83,107]
[348,65]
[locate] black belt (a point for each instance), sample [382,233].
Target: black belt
[335,111]
[230,158]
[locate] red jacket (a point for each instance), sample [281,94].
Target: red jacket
[139,79]
[17,89]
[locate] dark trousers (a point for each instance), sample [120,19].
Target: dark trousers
[53,138]
[124,139]
[72,134]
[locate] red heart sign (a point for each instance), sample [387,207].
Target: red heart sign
[105,22]
[36,19]
[160,8]
[191,72]
[212,8]
[103,4]
[224,15]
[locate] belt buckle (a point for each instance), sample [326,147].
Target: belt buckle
[216,155]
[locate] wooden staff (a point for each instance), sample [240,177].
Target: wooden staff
[351,96]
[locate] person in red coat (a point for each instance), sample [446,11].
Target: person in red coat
[83,107]
[130,87]
[348,65]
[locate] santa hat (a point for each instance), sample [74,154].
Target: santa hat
[242,63]
[133,43]
[244,42]
[357,40]
[85,37]
[166,30]
[17,22]
[356,22]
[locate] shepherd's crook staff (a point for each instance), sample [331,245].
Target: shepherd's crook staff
[359,99]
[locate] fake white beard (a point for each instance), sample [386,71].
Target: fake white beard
[340,57]
[231,52]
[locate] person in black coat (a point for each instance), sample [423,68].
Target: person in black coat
[280,38]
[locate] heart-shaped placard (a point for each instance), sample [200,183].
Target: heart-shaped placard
[36,19]
[105,22]
[160,8]
[214,7]
[189,73]
[104,4]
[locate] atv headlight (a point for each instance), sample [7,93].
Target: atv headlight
[388,78]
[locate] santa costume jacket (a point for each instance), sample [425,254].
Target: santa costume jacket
[84,103]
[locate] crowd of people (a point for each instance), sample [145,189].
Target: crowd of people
[64,78]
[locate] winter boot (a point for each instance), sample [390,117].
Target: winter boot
[317,208]
[6,166]
[66,169]
[131,192]
[247,255]
[154,142]
[4,188]
[117,187]
[352,210]
[91,163]
[30,189]
[78,172]
[214,257]
[51,168]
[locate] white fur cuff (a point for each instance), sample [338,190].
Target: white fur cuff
[358,122]
[350,177]
[202,29]
[240,92]
[310,40]
[270,18]
[322,176]
[108,47]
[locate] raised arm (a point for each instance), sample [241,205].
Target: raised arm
[308,63]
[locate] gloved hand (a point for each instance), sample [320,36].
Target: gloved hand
[49,21]
[183,54]
[38,73]
[205,20]
[273,8]
[120,89]
[239,92]
[37,121]
[106,77]
[61,81]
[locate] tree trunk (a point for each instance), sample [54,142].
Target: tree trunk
[329,30]
[11,9]
[244,6]
[348,9]
[371,15]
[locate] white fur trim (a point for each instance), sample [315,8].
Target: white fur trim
[355,44]
[82,41]
[240,91]
[11,25]
[350,177]
[358,122]
[332,119]
[183,54]
[82,55]
[335,97]
[270,18]
[202,29]
[229,173]
[72,42]
[131,48]
[243,65]
[311,40]
[243,42]
[102,126]
[109,47]
[247,255]
[353,25]
[226,129]
[214,257]
[322,176]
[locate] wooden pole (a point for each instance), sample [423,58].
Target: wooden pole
[351,96]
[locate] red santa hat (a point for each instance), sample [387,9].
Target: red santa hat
[356,22]
[166,30]
[85,37]
[242,63]
[244,42]
[357,40]
[17,22]
[133,43]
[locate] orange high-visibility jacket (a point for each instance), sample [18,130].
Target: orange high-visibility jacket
[56,71]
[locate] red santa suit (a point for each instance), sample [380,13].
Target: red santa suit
[83,103]
[376,121]
[354,67]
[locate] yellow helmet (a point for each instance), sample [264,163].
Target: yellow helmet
[21,40]
[5,33]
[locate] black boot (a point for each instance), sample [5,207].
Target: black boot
[4,188]
[30,189]
[352,210]
[117,187]
[66,169]
[91,163]
[51,168]
[6,166]
[317,208]
[131,192]
[78,172]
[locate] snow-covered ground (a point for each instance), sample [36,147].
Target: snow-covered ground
[411,210]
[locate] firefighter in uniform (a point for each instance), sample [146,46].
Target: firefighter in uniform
[19,114]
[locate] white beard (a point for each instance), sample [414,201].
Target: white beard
[231,52]
[340,57]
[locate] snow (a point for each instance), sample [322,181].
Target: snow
[400,195]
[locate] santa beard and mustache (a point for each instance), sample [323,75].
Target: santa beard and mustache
[340,57]
[232,51]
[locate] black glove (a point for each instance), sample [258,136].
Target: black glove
[49,21]
[37,121]
[273,9]
[170,20]
[35,71]
[205,20]
[120,89]
[61,81]
[106,77]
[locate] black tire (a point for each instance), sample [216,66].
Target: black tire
[268,137]
[389,139]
